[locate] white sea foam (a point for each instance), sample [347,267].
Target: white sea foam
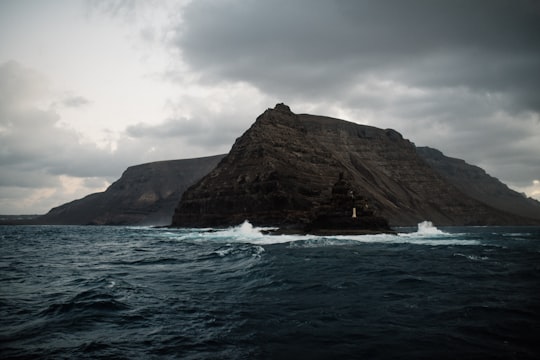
[411,238]
[472,257]
[427,234]
[426,228]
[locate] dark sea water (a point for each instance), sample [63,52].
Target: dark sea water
[69,292]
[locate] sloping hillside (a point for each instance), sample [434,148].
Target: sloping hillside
[145,195]
[476,183]
[282,170]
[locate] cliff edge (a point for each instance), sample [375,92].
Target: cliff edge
[282,170]
[145,194]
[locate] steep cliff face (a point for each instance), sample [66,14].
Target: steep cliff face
[145,195]
[282,170]
[476,183]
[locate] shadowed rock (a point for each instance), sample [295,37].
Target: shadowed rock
[297,172]
[282,170]
[474,182]
[145,195]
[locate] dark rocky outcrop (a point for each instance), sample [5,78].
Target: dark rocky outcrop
[282,170]
[476,183]
[145,195]
[304,173]
[346,213]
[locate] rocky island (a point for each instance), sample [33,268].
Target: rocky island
[146,194]
[304,173]
[283,171]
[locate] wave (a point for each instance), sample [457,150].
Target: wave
[472,257]
[426,228]
[426,234]
[429,234]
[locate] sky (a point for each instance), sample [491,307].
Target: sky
[90,87]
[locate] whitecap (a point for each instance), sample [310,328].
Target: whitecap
[426,228]
[472,257]
[427,234]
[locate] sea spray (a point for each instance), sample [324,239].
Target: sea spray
[248,234]
[426,228]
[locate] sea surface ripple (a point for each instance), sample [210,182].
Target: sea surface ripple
[97,292]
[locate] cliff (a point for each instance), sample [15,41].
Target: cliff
[290,169]
[144,195]
[282,170]
[476,183]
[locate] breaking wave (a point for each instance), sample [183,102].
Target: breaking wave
[426,228]
[426,234]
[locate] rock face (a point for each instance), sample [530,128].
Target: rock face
[282,170]
[346,213]
[292,170]
[145,195]
[474,182]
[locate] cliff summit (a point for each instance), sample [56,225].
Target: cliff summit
[305,172]
[146,194]
[283,169]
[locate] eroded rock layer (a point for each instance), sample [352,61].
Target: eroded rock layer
[281,172]
[479,185]
[146,194]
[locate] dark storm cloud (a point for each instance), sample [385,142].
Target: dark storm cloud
[462,76]
[313,48]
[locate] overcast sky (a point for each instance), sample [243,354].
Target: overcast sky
[88,88]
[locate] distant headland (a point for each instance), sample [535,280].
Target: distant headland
[304,173]
[320,174]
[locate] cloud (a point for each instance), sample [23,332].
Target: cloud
[294,47]
[533,189]
[75,101]
[20,86]
[126,9]
[460,76]
[31,136]
[46,162]
[37,155]
[207,124]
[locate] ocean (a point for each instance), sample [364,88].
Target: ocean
[98,292]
